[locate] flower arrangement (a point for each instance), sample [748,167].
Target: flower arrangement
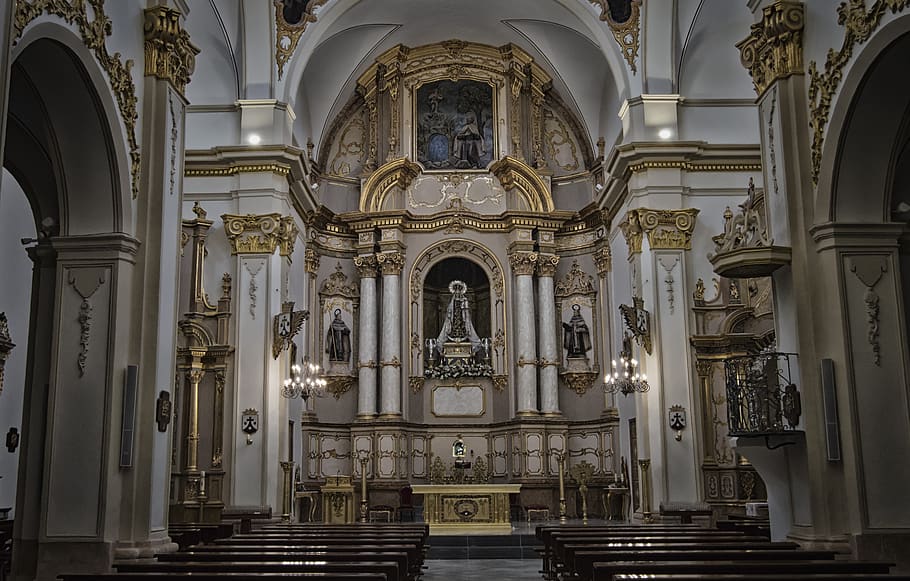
[460,368]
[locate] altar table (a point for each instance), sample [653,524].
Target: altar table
[467,508]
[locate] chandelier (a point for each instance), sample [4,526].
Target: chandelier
[625,378]
[305,382]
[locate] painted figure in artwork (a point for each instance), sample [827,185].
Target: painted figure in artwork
[338,339]
[576,337]
[469,147]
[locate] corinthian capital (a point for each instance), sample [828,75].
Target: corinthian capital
[546,265]
[774,48]
[169,54]
[311,261]
[253,233]
[666,229]
[523,262]
[366,266]
[390,262]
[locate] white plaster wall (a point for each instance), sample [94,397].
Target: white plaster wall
[16,222]
[214,28]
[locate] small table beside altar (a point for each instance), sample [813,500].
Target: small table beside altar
[467,508]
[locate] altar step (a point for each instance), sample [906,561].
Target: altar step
[516,546]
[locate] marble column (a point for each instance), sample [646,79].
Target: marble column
[549,357]
[366,399]
[523,264]
[390,347]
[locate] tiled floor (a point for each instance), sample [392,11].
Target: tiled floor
[483,569]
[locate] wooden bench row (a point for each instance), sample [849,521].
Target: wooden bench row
[614,553]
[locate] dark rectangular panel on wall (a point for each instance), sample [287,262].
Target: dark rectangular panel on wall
[633,461]
[128,427]
[832,431]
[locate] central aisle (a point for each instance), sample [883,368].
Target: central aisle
[474,569]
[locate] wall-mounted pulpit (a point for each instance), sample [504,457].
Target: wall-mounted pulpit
[338,500]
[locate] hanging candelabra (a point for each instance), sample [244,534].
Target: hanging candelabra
[624,378]
[305,382]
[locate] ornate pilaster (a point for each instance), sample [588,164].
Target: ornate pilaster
[523,265]
[390,263]
[254,233]
[169,54]
[287,235]
[193,378]
[549,356]
[774,48]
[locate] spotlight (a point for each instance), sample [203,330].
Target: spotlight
[665,133]
[254,139]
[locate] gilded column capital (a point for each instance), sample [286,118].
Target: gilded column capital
[169,54]
[287,235]
[774,48]
[253,233]
[546,265]
[666,229]
[366,265]
[603,260]
[390,262]
[311,261]
[523,262]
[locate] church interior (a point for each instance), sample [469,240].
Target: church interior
[455,267]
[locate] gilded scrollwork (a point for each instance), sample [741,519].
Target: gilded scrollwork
[6,345]
[390,263]
[859,23]
[561,148]
[666,229]
[350,152]
[522,262]
[625,25]
[94,27]
[288,34]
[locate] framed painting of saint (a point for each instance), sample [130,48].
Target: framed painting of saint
[454,121]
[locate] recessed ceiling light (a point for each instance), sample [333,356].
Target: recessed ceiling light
[254,139]
[665,133]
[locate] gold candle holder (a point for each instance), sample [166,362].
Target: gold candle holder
[286,501]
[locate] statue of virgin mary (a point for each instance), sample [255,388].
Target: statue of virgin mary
[458,327]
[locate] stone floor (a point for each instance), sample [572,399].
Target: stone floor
[484,569]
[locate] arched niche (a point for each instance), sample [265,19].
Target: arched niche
[436,294]
[484,261]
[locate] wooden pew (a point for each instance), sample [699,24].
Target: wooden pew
[604,571]
[582,562]
[306,576]
[769,577]
[400,558]
[253,568]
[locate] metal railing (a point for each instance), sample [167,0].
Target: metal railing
[762,397]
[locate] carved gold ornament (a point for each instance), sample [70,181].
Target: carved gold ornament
[285,326]
[169,54]
[515,174]
[523,263]
[94,32]
[339,385]
[603,260]
[416,383]
[666,229]
[626,33]
[859,24]
[774,48]
[580,382]
[311,261]
[366,266]
[288,35]
[6,345]
[390,262]
[576,282]
[260,233]
[398,173]
[546,265]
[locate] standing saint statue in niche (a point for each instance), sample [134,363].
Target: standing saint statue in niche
[458,327]
[469,146]
[576,337]
[338,339]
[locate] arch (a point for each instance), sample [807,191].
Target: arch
[515,174]
[857,158]
[398,173]
[62,70]
[485,259]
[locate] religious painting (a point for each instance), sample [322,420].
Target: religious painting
[455,125]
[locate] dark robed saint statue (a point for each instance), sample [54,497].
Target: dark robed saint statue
[338,339]
[576,337]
